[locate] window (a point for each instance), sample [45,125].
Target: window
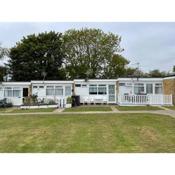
[16,92]
[58,90]
[68,90]
[158,88]
[35,87]
[77,85]
[101,89]
[50,90]
[84,85]
[41,87]
[149,88]
[93,89]
[111,91]
[138,88]
[121,84]
[12,92]
[8,92]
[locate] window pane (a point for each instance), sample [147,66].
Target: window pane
[102,89]
[16,93]
[8,92]
[111,89]
[77,85]
[50,90]
[93,89]
[58,91]
[138,88]
[68,90]
[158,88]
[149,88]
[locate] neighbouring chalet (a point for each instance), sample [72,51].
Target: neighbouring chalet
[121,91]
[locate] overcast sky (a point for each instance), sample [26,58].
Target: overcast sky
[150,44]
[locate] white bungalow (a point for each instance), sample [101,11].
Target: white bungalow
[14,92]
[142,91]
[121,91]
[96,91]
[57,91]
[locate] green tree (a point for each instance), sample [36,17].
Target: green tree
[157,73]
[174,68]
[3,69]
[116,67]
[36,57]
[91,53]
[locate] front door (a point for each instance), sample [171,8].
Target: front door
[25,92]
[111,93]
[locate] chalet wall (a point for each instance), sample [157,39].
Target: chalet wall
[169,87]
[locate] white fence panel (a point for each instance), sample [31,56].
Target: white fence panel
[158,99]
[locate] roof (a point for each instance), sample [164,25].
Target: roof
[95,80]
[16,83]
[51,82]
[140,79]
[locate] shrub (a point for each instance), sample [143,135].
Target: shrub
[69,100]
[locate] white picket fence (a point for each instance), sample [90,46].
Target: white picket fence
[158,99]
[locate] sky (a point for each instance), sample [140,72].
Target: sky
[152,45]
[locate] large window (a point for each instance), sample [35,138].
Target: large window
[16,92]
[149,88]
[158,88]
[101,89]
[12,92]
[97,89]
[50,90]
[93,89]
[138,88]
[68,90]
[58,90]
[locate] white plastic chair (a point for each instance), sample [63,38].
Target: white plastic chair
[85,100]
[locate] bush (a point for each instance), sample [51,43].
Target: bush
[31,100]
[69,100]
[51,102]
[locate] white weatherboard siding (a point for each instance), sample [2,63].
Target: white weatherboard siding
[95,91]
[126,86]
[52,90]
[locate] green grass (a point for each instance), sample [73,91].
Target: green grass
[88,133]
[170,107]
[5,109]
[32,110]
[137,108]
[88,108]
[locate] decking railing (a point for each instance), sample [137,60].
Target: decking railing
[158,99]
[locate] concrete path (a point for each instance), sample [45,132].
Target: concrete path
[59,112]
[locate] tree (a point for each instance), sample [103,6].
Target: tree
[3,69]
[174,68]
[91,53]
[37,55]
[116,67]
[3,52]
[157,73]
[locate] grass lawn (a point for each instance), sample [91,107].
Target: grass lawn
[86,108]
[170,107]
[32,110]
[5,109]
[137,108]
[87,133]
